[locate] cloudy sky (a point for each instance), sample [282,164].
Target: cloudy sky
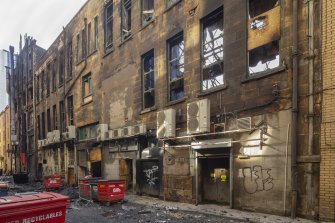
[42,19]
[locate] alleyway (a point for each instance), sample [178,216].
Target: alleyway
[148,209]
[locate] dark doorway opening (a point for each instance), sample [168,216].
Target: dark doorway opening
[126,172]
[96,169]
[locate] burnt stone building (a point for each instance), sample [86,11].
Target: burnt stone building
[188,100]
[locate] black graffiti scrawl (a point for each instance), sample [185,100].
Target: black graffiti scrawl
[256,179]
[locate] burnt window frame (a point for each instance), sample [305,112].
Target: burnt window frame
[89,38]
[54,117]
[83,44]
[108,23]
[96,33]
[48,78]
[48,120]
[144,73]
[144,21]
[78,47]
[216,15]
[70,110]
[126,13]
[62,116]
[61,67]
[174,41]
[268,71]
[69,60]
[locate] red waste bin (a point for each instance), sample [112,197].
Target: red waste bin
[111,190]
[85,187]
[33,207]
[52,182]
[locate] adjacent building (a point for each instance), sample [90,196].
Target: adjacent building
[190,101]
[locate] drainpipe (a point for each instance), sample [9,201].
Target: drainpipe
[309,185]
[294,108]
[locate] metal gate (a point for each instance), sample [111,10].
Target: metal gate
[148,176]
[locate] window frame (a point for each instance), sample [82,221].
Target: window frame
[143,21]
[126,11]
[210,18]
[143,75]
[107,21]
[268,71]
[172,42]
[70,109]
[87,78]
[96,32]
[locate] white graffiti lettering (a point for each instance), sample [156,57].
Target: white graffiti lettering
[151,175]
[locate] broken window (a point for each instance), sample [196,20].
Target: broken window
[89,44]
[147,12]
[39,127]
[69,60]
[176,67]
[263,35]
[49,120]
[42,84]
[170,3]
[48,79]
[38,88]
[109,27]
[126,19]
[54,115]
[70,110]
[95,40]
[61,67]
[83,44]
[43,126]
[77,50]
[62,116]
[54,76]
[87,86]
[148,80]
[212,51]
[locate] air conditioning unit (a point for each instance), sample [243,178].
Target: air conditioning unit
[71,131]
[127,131]
[166,123]
[243,123]
[139,129]
[115,133]
[198,116]
[50,136]
[56,136]
[102,132]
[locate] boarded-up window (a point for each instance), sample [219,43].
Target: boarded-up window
[263,35]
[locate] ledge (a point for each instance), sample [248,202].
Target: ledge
[212,91]
[143,26]
[108,52]
[177,101]
[147,110]
[128,38]
[263,74]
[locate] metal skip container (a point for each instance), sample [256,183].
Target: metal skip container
[33,207]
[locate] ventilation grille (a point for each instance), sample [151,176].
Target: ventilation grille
[243,123]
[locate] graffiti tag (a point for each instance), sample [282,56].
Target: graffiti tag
[256,179]
[151,175]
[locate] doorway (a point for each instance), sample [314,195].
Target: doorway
[215,179]
[96,169]
[126,172]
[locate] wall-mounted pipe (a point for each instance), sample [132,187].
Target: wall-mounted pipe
[294,108]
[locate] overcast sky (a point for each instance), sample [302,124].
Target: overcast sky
[42,19]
